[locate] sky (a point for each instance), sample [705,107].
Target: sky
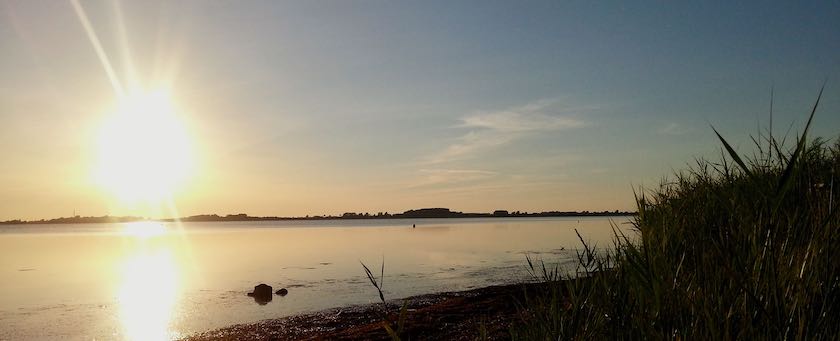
[296,108]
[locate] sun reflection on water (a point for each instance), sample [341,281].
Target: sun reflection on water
[143,229]
[148,292]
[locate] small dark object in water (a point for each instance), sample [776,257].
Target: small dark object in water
[261,294]
[282,292]
[413,225]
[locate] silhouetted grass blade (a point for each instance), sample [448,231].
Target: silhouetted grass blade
[733,154]
[784,182]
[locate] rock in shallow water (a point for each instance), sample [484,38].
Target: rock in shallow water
[261,294]
[282,292]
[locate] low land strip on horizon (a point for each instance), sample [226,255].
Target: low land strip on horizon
[410,214]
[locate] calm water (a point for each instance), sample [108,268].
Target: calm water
[160,281]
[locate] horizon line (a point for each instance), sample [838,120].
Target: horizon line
[431,212]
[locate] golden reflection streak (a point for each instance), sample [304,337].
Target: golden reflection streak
[143,229]
[150,279]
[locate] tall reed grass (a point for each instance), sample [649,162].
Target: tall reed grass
[743,248]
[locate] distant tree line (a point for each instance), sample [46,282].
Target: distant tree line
[418,213]
[76,220]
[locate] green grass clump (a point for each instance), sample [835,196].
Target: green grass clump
[748,249]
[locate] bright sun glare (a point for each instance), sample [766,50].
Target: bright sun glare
[144,229]
[144,151]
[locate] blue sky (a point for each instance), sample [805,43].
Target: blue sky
[310,107]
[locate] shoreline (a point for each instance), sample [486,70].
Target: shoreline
[457,315]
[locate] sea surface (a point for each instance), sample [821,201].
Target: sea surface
[156,281]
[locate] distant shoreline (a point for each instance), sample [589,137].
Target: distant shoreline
[410,214]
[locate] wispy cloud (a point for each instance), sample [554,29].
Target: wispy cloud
[493,188]
[432,177]
[519,121]
[673,129]
[488,130]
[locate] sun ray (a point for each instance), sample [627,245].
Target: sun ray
[97,46]
[125,49]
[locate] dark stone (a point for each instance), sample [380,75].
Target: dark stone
[282,292]
[261,294]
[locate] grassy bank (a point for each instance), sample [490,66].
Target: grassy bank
[736,249]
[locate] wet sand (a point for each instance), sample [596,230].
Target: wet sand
[462,315]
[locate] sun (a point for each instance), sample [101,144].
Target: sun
[144,153]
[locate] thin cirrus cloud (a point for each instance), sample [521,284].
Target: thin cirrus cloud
[489,130]
[433,177]
[673,129]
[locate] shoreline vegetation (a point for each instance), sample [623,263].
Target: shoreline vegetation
[735,249]
[410,214]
